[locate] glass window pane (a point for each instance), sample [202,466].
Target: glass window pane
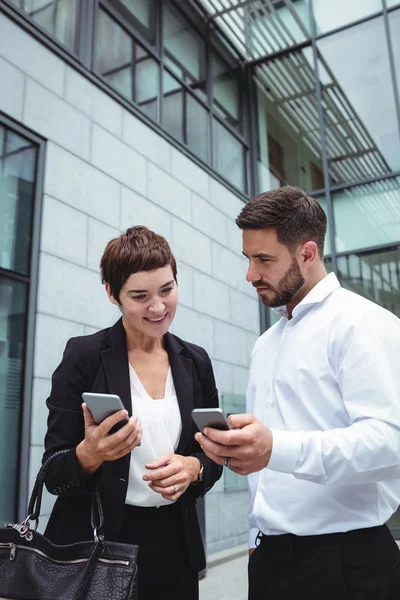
[289,144]
[13,296]
[58,17]
[374,275]
[172,110]
[141,13]
[394,24]
[328,15]
[225,90]
[367,215]
[390,3]
[197,126]
[228,156]
[126,66]
[362,129]
[184,50]
[17,174]
[146,83]
[114,55]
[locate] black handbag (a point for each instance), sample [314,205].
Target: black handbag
[33,568]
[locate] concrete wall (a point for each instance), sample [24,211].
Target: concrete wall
[106,171]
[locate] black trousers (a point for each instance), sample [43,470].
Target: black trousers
[358,565]
[164,570]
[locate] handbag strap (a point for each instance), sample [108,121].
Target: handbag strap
[35,502]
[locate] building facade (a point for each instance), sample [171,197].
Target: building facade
[171,114]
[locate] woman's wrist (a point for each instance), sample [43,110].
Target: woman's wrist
[87,465]
[195,468]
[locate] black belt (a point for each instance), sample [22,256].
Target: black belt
[289,542]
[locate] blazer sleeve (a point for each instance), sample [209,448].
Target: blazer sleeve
[212,471]
[65,423]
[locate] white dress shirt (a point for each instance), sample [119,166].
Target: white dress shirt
[327,384]
[162,426]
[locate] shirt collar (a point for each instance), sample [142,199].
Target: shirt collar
[317,294]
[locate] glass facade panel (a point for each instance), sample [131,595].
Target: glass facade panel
[374,275]
[13,295]
[367,215]
[360,115]
[289,145]
[126,66]
[17,173]
[57,17]
[197,125]
[173,106]
[228,156]
[114,55]
[142,14]
[329,15]
[225,90]
[185,50]
[394,24]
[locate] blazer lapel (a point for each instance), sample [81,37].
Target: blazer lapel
[182,373]
[116,365]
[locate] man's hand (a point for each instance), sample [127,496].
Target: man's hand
[248,445]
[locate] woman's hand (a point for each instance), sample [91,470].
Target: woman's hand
[172,474]
[99,446]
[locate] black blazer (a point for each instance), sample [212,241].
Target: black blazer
[99,363]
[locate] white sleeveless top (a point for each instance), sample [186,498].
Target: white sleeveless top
[162,427]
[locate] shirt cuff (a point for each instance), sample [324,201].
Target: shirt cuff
[285,450]
[252,537]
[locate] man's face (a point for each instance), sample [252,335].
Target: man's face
[273,270]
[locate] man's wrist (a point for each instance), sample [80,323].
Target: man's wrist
[198,473]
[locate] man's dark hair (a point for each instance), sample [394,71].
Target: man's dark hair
[295,216]
[138,249]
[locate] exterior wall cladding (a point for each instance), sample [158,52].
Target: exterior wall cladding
[104,172]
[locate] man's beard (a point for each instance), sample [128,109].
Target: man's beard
[287,287]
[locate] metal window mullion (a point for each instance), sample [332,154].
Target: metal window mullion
[325,164]
[209,92]
[392,63]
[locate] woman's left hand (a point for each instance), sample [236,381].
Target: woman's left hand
[172,474]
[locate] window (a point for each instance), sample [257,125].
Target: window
[374,275]
[185,51]
[367,215]
[127,66]
[141,13]
[226,91]
[329,15]
[17,184]
[57,17]
[360,113]
[229,155]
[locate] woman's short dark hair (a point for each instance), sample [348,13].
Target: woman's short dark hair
[138,249]
[295,216]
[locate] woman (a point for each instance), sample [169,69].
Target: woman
[150,472]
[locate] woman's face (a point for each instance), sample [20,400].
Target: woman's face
[148,301]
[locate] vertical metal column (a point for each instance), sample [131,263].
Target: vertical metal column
[322,131]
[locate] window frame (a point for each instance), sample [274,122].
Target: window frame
[31,280]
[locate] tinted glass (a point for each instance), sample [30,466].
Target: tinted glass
[141,13]
[374,275]
[362,128]
[228,155]
[225,90]
[197,125]
[126,66]
[329,15]
[367,215]
[12,345]
[184,50]
[17,175]
[173,106]
[58,17]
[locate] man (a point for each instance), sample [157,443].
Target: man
[321,441]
